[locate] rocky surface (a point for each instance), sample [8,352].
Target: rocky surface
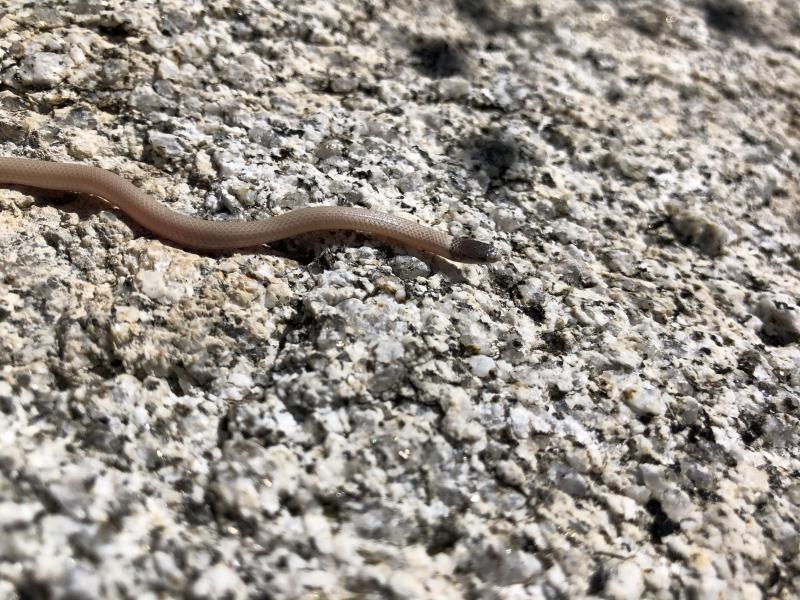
[611,410]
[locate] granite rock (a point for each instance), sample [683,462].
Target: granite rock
[611,410]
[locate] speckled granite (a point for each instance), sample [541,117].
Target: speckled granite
[611,410]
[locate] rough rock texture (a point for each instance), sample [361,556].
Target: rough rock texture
[611,410]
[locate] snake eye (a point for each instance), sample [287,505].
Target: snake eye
[472,251]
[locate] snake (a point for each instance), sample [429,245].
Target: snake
[203,234]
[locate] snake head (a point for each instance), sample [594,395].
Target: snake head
[472,251]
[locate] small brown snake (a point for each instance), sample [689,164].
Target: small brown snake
[202,234]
